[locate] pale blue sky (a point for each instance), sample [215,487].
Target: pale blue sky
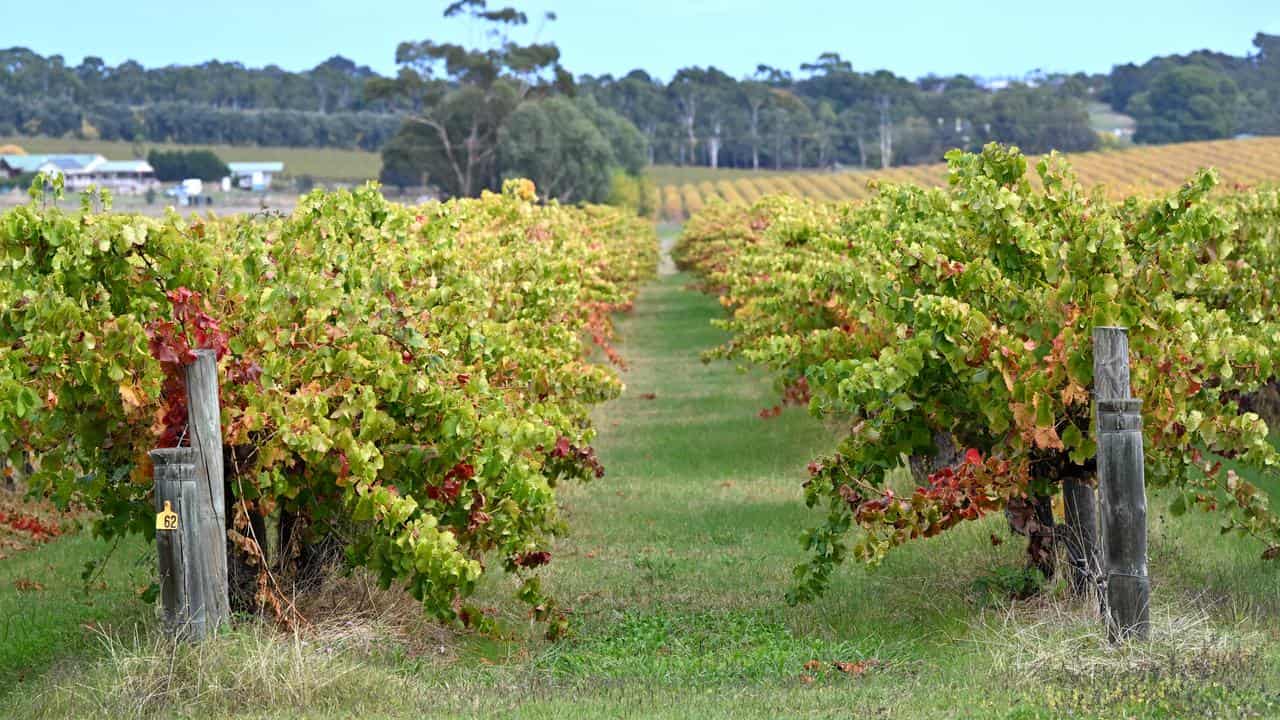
[910,37]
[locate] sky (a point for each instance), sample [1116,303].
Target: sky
[995,38]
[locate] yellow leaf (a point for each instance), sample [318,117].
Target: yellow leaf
[1073,394]
[1046,437]
[142,470]
[132,396]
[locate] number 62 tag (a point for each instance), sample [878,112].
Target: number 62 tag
[167,519]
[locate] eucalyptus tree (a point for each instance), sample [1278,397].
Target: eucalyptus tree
[463,97]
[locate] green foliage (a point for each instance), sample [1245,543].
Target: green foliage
[625,141]
[967,312]
[1008,582]
[637,193]
[176,165]
[452,138]
[501,113]
[557,146]
[1191,102]
[1041,119]
[417,376]
[22,181]
[211,103]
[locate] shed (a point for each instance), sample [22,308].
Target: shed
[254,175]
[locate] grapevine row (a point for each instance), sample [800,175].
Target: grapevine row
[953,325]
[411,381]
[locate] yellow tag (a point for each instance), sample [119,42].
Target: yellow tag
[167,519]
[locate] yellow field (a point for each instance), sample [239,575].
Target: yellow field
[1138,171]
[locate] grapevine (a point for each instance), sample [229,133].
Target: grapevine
[965,314]
[414,381]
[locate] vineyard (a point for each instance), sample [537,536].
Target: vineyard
[1145,171]
[951,326]
[878,515]
[409,383]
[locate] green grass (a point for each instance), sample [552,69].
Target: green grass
[324,164]
[675,573]
[57,617]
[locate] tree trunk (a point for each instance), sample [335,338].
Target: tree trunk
[305,560]
[1081,533]
[886,134]
[713,148]
[242,566]
[945,454]
[755,137]
[1033,518]
[1040,541]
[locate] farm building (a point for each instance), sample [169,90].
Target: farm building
[81,171]
[254,175]
[15,165]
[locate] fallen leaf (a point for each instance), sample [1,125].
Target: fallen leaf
[27,585]
[857,669]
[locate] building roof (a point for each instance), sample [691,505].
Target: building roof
[124,166]
[76,162]
[248,168]
[24,163]
[33,163]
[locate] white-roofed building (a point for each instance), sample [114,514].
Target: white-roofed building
[254,175]
[81,171]
[121,176]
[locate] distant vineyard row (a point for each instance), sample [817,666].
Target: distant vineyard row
[1140,171]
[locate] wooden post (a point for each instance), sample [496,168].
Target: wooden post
[1121,495]
[204,430]
[178,535]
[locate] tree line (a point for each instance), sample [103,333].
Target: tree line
[834,115]
[214,102]
[1201,95]
[458,101]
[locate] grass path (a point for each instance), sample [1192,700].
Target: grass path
[679,560]
[675,571]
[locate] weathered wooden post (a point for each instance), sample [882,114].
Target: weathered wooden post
[177,534]
[190,513]
[204,430]
[1121,495]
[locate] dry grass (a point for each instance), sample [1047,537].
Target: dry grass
[350,611]
[1054,638]
[341,657]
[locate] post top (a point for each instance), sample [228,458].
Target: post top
[1119,405]
[173,455]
